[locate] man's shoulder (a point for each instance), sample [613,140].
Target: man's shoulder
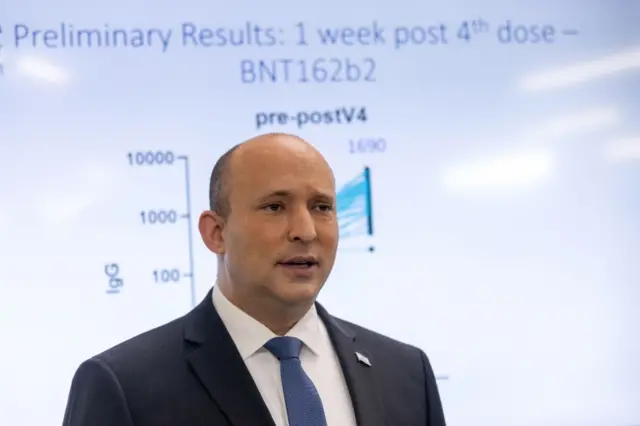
[375,339]
[407,380]
[146,349]
[399,365]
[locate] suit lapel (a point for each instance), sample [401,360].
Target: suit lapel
[358,367]
[217,363]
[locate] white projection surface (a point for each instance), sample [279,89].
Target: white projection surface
[488,161]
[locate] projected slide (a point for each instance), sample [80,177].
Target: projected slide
[487,160]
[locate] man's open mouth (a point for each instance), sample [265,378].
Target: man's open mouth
[304,262]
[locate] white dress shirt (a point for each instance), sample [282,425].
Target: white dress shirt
[318,358]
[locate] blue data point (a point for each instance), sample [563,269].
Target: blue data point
[355,216]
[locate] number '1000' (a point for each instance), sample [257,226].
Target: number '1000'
[160,217]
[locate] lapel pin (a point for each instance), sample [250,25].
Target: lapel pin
[363,359]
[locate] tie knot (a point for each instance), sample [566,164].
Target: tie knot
[284,347]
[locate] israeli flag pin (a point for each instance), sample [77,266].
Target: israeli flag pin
[363,359]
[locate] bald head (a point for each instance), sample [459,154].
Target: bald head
[273,199]
[244,158]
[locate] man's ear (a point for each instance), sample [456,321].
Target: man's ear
[211,225]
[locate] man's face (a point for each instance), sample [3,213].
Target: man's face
[281,236]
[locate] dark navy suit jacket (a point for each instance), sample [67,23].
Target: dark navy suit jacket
[189,373]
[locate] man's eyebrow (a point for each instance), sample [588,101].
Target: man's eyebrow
[277,193]
[288,194]
[326,197]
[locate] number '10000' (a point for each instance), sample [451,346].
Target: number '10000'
[151,158]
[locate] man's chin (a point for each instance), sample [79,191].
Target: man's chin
[298,292]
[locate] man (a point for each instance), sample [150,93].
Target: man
[259,350]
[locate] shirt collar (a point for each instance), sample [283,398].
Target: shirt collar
[250,335]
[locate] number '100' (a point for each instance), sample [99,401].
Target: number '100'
[166,275]
[151,158]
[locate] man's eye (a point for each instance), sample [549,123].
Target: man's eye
[325,207]
[273,207]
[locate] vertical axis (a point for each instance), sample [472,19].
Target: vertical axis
[191,275]
[367,180]
[1,54]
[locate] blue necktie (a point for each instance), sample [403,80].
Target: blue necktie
[304,406]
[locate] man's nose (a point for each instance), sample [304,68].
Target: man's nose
[302,227]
